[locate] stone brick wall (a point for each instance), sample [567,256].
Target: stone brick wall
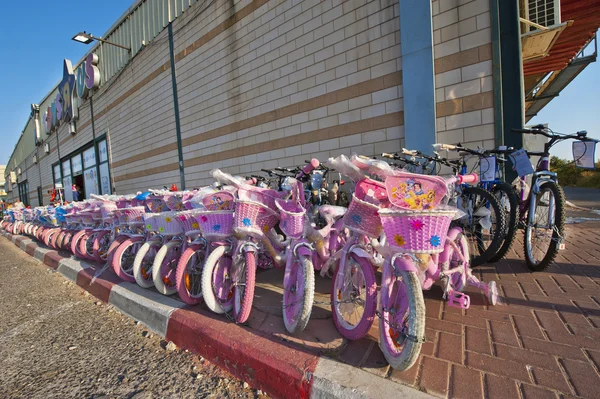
[271,83]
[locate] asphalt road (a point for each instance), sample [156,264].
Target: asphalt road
[56,341]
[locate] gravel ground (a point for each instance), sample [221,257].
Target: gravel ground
[57,341]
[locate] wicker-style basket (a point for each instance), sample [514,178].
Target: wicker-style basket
[167,223]
[253,218]
[293,217]
[363,218]
[416,231]
[215,223]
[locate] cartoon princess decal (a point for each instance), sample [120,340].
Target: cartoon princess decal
[412,195]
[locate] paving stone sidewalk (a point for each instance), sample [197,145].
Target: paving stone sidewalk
[543,343]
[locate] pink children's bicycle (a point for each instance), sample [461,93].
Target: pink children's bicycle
[419,248]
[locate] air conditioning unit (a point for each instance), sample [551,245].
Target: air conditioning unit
[542,12]
[19,171]
[13,177]
[35,159]
[47,148]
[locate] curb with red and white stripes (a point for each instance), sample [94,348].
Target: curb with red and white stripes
[280,369]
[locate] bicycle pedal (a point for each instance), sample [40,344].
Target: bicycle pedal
[459,300]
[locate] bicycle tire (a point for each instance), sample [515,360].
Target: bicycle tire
[300,279]
[480,255]
[401,355]
[557,232]
[143,276]
[219,261]
[361,328]
[101,245]
[182,276]
[511,221]
[159,266]
[243,293]
[74,245]
[117,259]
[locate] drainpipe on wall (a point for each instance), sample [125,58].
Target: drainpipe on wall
[96,155]
[176,107]
[513,104]
[497,72]
[416,37]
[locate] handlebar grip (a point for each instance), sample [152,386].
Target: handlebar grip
[410,152]
[440,146]
[310,166]
[471,178]
[522,131]
[252,181]
[387,155]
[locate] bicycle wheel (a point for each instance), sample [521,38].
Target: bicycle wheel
[353,297]
[298,294]
[75,240]
[122,261]
[243,287]
[402,321]
[101,245]
[188,278]
[165,267]
[544,235]
[217,285]
[142,264]
[509,202]
[86,247]
[484,224]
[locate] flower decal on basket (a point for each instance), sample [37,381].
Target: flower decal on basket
[204,219]
[284,224]
[161,229]
[356,219]
[246,222]
[416,224]
[435,241]
[182,218]
[266,229]
[217,227]
[195,225]
[399,240]
[168,219]
[149,226]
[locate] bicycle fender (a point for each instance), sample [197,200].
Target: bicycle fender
[404,264]
[362,253]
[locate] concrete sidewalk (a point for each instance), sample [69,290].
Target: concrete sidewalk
[543,342]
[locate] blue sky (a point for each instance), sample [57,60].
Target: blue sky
[35,37]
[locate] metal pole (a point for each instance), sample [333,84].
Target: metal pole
[95,146]
[176,108]
[497,72]
[512,76]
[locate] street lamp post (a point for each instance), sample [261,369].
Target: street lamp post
[87,38]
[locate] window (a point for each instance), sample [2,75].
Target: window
[24,193]
[40,196]
[104,169]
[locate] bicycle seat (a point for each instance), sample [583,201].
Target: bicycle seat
[332,211]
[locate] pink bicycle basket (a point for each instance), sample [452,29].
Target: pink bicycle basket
[362,218]
[292,217]
[151,221]
[188,222]
[253,218]
[215,223]
[372,191]
[135,215]
[415,192]
[107,210]
[264,196]
[156,204]
[174,202]
[416,231]
[123,203]
[219,201]
[167,223]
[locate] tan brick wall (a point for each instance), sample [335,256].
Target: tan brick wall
[272,83]
[463,66]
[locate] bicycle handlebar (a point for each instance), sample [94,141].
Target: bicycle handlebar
[441,146]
